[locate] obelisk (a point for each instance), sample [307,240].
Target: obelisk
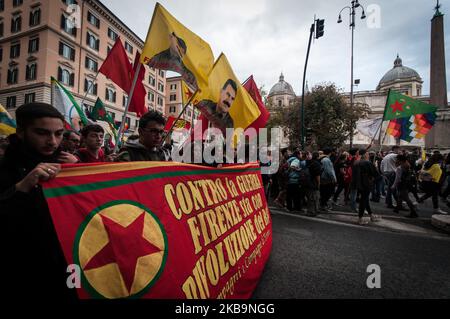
[439,136]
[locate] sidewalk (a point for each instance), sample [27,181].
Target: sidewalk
[390,222]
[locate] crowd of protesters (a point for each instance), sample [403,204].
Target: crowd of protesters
[315,181]
[310,180]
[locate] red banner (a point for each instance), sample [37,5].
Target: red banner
[162,230]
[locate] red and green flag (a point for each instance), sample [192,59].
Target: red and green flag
[409,118]
[161,229]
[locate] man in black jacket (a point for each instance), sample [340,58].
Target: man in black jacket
[33,265]
[364,175]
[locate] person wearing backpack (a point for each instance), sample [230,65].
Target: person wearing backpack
[403,178]
[327,180]
[293,202]
[431,185]
[310,181]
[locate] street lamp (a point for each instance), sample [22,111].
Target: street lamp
[355,4]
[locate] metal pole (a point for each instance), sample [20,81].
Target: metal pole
[130,96]
[179,116]
[303,90]
[351,84]
[88,89]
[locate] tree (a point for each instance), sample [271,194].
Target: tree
[328,118]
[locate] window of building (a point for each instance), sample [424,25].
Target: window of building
[108,49]
[1,28]
[13,75]
[172,109]
[128,47]
[161,87]
[17,3]
[173,97]
[66,77]
[173,87]
[128,121]
[151,96]
[31,72]
[93,19]
[69,2]
[68,25]
[160,101]
[91,64]
[14,51]
[2,5]
[92,41]
[112,35]
[1,54]
[124,100]
[16,24]
[33,45]
[110,95]
[280,103]
[66,51]
[35,17]
[161,73]
[151,80]
[10,102]
[189,113]
[90,87]
[30,97]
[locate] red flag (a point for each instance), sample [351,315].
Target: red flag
[252,89]
[138,101]
[181,124]
[117,67]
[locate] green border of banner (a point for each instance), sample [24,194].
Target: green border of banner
[71,190]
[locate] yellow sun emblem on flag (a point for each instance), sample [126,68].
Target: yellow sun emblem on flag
[121,249]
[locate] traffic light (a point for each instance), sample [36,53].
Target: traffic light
[320,25]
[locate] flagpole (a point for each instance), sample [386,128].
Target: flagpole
[130,96]
[88,89]
[179,116]
[373,138]
[384,115]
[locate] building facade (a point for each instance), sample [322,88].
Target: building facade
[67,40]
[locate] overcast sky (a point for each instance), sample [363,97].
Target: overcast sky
[267,37]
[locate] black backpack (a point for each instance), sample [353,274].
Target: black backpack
[305,178]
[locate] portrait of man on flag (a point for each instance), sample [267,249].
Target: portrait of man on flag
[224,102]
[218,112]
[171,46]
[171,59]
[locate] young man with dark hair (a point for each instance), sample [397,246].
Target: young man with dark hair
[92,135]
[32,259]
[148,146]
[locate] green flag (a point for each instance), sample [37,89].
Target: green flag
[99,112]
[402,106]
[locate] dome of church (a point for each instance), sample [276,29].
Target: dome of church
[399,72]
[281,88]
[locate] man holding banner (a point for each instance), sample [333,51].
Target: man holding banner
[147,147]
[32,256]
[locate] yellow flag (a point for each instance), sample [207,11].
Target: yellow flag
[186,93]
[171,46]
[225,103]
[7,123]
[424,155]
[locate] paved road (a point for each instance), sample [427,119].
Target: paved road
[315,259]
